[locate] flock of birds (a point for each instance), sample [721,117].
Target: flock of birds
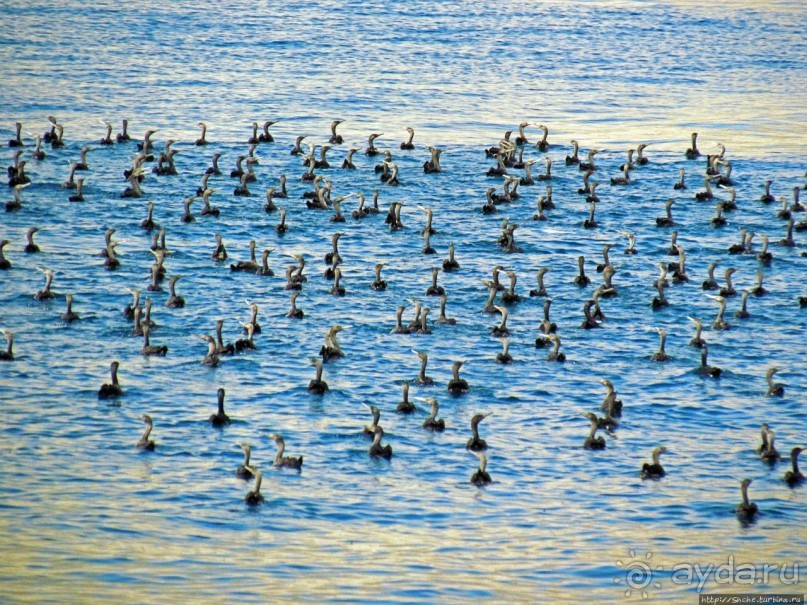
[508,156]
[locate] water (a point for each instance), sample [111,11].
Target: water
[86,517]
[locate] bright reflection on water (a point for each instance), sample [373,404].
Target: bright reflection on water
[84,517]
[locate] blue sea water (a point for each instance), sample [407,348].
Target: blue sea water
[86,517]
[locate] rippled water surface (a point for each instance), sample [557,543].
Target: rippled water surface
[86,517]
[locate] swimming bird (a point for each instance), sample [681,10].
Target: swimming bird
[220,253]
[606,261]
[244,470]
[211,358]
[336,139]
[422,379]
[347,163]
[625,178]
[17,140]
[680,184]
[764,256]
[693,153]
[705,369]
[608,289]
[541,290]
[123,135]
[589,322]
[793,477]
[337,289]
[378,283]
[546,176]
[763,433]
[543,144]
[610,405]
[774,389]
[592,197]
[767,198]
[706,194]
[317,385]
[361,212]
[174,301]
[207,209]
[661,354]
[221,348]
[475,443]
[8,354]
[768,452]
[246,344]
[110,390]
[38,153]
[746,511]
[149,349]
[254,496]
[69,316]
[242,190]
[376,449]
[369,430]
[666,221]
[555,354]
[371,148]
[489,206]
[331,349]
[654,470]
[501,329]
[718,220]
[729,290]
[408,144]
[145,443]
[334,253]
[43,294]
[481,476]
[432,423]
[581,280]
[16,203]
[399,327]
[589,165]
[281,461]
[250,266]
[220,418]
[540,216]
[254,138]
[148,223]
[509,295]
[457,385]
[711,283]
[504,357]
[797,206]
[574,158]
[679,269]
[129,310]
[719,323]
[281,227]
[593,442]
[788,240]
[432,165]
[266,136]
[187,217]
[521,139]
[405,406]
[743,312]
[739,247]
[294,311]
[434,289]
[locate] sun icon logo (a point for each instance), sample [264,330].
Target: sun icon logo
[638,574]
